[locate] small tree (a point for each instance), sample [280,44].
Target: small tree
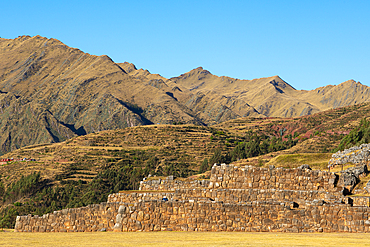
[216,157]
[204,166]
[2,189]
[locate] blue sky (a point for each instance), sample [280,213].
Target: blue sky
[307,43]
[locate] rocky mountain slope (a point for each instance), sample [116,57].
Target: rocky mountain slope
[50,92]
[268,97]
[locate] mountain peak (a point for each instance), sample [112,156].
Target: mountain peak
[350,82]
[276,77]
[199,69]
[127,67]
[280,83]
[23,37]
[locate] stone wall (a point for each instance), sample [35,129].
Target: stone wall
[360,201]
[234,199]
[170,184]
[355,155]
[230,195]
[255,216]
[207,216]
[139,196]
[226,176]
[85,219]
[248,195]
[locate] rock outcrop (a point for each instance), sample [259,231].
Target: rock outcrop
[350,177]
[358,155]
[354,155]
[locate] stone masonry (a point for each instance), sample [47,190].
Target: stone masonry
[355,155]
[233,199]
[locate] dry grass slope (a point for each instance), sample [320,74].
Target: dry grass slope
[316,134]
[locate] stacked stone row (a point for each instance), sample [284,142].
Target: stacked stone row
[226,176]
[85,219]
[139,196]
[207,216]
[171,185]
[229,195]
[187,216]
[360,201]
[258,199]
[248,195]
[254,216]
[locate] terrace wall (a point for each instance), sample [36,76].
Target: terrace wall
[170,184]
[226,176]
[206,216]
[230,195]
[360,201]
[85,219]
[234,199]
[250,177]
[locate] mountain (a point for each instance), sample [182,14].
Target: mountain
[270,96]
[50,92]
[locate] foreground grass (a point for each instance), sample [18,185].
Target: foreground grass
[183,239]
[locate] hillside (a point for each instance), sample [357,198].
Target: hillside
[50,92]
[186,144]
[85,169]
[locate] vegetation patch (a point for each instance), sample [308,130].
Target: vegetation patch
[315,160]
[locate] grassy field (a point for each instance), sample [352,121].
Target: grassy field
[183,239]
